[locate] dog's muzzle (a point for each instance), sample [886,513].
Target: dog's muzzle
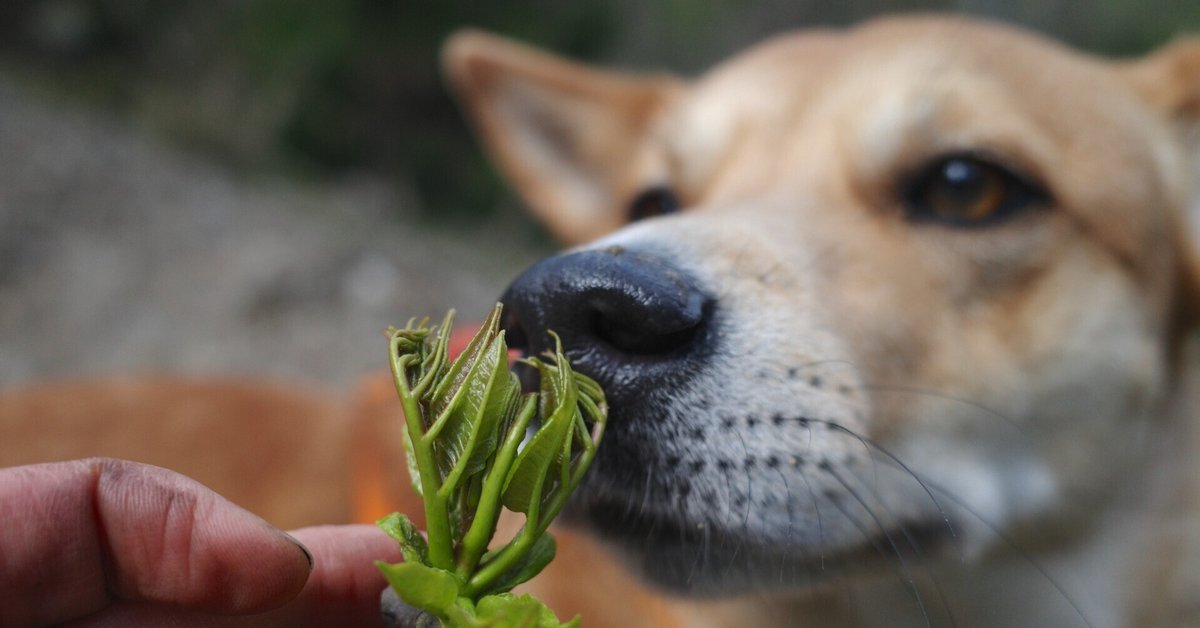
[634,322]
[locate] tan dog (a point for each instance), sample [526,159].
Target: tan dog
[911,353]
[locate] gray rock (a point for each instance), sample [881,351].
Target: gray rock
[397,614]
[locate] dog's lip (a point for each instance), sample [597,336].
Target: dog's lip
[614,520]
[657,536]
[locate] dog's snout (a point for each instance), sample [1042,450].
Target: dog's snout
[626,319]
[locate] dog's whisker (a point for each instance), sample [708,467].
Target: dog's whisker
[903,572]
[1025,556]
[943,599]
[749,480]
[701,556]
[935,394]
[644,506]
[795,371]
[791,523]
[732,502]
[790,512]
[919,554]
[1007,540]
[817,511]
[900,463]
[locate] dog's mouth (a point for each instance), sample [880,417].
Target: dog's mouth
[721,529]
[704,558]
[688,544]
[640,499]
[616,521]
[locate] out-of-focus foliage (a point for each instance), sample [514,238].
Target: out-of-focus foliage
[321,87]
[329,87]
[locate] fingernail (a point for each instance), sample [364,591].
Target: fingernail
[307,554]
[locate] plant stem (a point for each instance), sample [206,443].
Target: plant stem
[476,539]
[437,518]
[515,549]
[555,505]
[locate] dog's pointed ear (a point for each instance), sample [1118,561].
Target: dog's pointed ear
[1169,80]
[567,136]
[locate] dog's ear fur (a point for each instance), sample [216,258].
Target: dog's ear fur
[567,136]
[1169,80]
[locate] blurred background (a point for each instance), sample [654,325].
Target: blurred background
[261,186]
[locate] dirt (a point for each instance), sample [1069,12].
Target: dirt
[119,253]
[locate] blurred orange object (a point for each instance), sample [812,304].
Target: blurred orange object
[274,448]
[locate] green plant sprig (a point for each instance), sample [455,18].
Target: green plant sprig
[476,443]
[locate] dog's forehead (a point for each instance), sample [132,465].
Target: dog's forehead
[896,76]
[860,107]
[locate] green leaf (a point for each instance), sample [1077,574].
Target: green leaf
[412,544]
[501,405]
[588,386]
[535,468]
[468,404]
[410,341]
[473,423]
[505,610]
[531,477]
[443,394]
[530,565]
[427,588]
[434,364]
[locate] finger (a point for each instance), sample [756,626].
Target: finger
[345,585]
[343,590]
[75,536]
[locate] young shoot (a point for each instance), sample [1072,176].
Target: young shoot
[470,453]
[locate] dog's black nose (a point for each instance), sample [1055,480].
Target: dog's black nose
[633,322]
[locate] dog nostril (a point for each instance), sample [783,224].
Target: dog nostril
[638,331]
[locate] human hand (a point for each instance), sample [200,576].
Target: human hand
[104,542]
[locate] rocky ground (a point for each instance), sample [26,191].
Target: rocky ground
[119,253]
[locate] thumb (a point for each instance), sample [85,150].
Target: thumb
[78,535]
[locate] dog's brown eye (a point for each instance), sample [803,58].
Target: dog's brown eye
[656,201]
[966,190]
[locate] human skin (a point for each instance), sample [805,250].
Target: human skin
[104,542]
